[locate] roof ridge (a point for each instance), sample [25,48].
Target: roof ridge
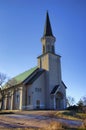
[20,78]
[34,76]
[25,71]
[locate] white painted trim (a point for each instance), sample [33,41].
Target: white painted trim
[33,106]
[57,90]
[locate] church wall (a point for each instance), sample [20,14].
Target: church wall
[54,74]
[13,98]
[27,92]
[43,62]
[16,97]
[54,70]
[7,99]
[24,96]
[63,89]
[51,63]
[37,92]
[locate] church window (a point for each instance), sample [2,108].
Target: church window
[48,46]
[38,89]
[17,98]
[38,104]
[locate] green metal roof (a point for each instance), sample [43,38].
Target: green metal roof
[20,78]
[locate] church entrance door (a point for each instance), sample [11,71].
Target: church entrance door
[59,99]
[38,104]
[58,103]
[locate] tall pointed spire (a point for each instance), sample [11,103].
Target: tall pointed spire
[48,39]
[47,29]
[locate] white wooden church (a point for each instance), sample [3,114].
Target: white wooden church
[41,87]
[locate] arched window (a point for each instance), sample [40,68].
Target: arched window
[43,49]
[48,48]
[53,50]
[17,98]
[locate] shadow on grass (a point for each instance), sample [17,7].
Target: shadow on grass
[2,113]
[20,129]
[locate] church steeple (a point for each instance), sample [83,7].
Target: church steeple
[47,29]
[48,39]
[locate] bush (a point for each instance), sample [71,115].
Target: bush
[77,108]
[74,108]
[84,109]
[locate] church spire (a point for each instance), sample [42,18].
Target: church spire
[47,28]
[48,39]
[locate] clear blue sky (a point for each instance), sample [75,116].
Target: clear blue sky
[21,27]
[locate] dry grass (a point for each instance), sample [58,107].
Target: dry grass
[83,125]
[81,116]
[55,126]
[71,115]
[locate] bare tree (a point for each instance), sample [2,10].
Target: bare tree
[70,101]
[84,100]
[11,82]
[82,104]
[2,80]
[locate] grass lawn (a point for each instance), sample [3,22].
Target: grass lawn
[70,115]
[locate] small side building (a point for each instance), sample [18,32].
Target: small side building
[40,87]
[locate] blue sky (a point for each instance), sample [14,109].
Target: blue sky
[21,27]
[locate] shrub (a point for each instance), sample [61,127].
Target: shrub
[74,108]
[77,108]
